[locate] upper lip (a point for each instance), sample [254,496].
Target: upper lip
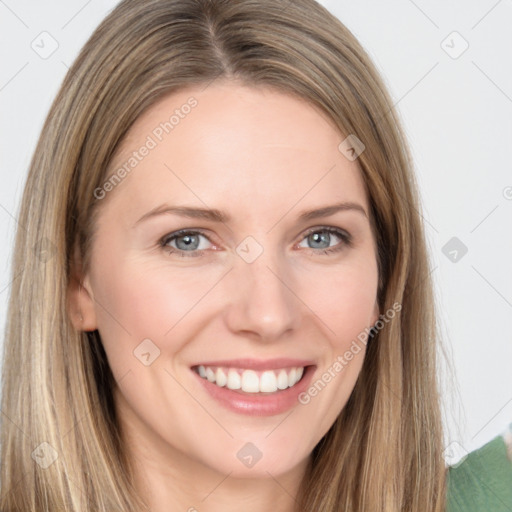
[259,364]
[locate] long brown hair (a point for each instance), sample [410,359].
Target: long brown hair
[384,450]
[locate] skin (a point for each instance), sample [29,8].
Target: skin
[262,157]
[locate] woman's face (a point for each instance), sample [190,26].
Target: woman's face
[261,284]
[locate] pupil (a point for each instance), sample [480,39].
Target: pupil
[187,240]
[323,237]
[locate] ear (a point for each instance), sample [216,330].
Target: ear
[80,299]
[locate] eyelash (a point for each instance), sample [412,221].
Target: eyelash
[343,235]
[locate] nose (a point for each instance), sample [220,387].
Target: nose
[262,303]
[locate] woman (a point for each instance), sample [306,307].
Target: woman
[229,304]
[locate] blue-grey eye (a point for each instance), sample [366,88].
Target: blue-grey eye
[186,241]
[321,238]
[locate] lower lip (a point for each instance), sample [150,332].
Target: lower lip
[259,404]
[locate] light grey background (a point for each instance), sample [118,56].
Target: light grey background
[457,111]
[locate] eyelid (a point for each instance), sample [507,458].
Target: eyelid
[182,232]
[330,229]
[343,234]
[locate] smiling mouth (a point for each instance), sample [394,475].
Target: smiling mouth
[251,381]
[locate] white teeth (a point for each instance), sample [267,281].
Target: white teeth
[234,380]
[210,375]
[268,382]
[220,377]
[282,380]
[250,381]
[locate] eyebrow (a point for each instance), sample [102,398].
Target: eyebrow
[215,215]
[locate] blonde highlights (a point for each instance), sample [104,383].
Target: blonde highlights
[384,450]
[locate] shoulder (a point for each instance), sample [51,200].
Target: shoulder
[482,481]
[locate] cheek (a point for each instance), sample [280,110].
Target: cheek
[343,300]
[345,310]
[135,302]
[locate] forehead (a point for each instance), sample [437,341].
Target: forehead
[249,145]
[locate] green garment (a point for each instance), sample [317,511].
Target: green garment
[483,481]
